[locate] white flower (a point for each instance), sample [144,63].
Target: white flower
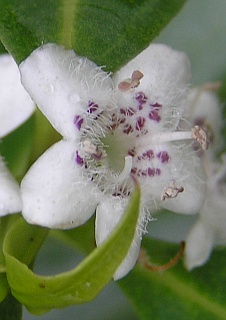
[210,228]
[15,107]
[15,104]
[111,128]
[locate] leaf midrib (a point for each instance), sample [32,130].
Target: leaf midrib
[68,18]
[187,292]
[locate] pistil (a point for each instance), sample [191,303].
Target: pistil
[126,170]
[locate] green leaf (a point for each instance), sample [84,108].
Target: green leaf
[10,309]
[105,31]
[2,48]
[16,148]
[4,288]
[23,241]
[74,238]
[177,293]
[41,293]
[44,136]
[5,223]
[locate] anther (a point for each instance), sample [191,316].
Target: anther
[131,83]
[171,191]
[199,134]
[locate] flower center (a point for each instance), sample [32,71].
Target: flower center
[130,139]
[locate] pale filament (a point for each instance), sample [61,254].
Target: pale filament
[164,137]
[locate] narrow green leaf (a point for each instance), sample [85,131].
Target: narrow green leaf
[177,293]
[107,32]
[5,223]
[10,309]
[23,241]
[41,293]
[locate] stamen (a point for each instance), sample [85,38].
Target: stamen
[131,83]
[197,133]
[144,260]
[126,170]
[171,191]
[137,75]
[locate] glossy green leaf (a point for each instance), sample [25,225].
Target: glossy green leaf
[41,293]
[177,293]
[10,309]
[107,32]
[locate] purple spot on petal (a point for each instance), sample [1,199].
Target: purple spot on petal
[123,111]
[141,99]
[78,121]
[127,128]
[157,172]
[154,114]
[163,156]
[140,123]
[132,152]
[148,154]
[127,111]
[121,120]
[153,172]
[79,160]
[156,106]
[92,107]
[134,170]
[130,112]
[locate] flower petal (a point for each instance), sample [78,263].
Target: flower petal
[199,244]
[10,201]
[166,74]
[15,104]
[205,110]
[182,170]
[108,214]
[64,85]
[55,191]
